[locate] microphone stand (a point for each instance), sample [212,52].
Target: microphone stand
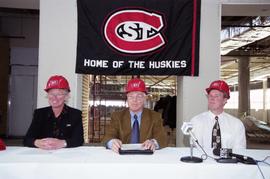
[191,158]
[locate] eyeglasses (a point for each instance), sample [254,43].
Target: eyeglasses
[136,97]
[57,95]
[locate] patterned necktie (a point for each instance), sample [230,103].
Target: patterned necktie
[216,135]
[135,134]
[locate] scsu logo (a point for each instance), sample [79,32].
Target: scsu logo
[53,83]
[134,31]
[136,85]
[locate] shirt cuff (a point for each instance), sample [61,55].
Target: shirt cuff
[65,143]
[156,143]
[109,144]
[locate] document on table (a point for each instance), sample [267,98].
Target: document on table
[132,147]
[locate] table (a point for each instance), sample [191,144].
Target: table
[98,162]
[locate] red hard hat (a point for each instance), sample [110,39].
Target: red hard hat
[221,86]
[2,145]
[135,84]
[57,82]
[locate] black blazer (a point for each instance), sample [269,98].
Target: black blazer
[43,125]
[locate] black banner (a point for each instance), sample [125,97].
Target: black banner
[138,37]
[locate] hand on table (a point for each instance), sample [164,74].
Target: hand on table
[116,145]
[50,143]
[149,144]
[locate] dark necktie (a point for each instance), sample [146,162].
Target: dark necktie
[216,135]
[135,134]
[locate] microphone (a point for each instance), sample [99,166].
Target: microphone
[244,159]
[228,157]
[187,130]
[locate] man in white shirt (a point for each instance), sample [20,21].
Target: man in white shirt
[231,129]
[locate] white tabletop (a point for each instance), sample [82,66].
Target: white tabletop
[97,162]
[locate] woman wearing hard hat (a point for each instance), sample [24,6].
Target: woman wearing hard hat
[58,125]
[135,124]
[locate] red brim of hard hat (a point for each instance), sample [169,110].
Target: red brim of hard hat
[55,88]
[134,91]
[209,89]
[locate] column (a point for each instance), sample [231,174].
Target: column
[191,99]
[264,116]
[243,86]
[57,48]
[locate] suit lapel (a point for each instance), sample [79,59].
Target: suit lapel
[145,124]
[126,126]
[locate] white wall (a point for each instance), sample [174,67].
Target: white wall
[191,90]
[57,47]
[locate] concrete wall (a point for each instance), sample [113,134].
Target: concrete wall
[57,47]
[191,90]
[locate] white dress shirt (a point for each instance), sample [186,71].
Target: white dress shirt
[232,130]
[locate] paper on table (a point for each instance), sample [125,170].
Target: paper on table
[132,147]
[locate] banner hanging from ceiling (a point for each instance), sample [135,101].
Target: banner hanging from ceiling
[138,37]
